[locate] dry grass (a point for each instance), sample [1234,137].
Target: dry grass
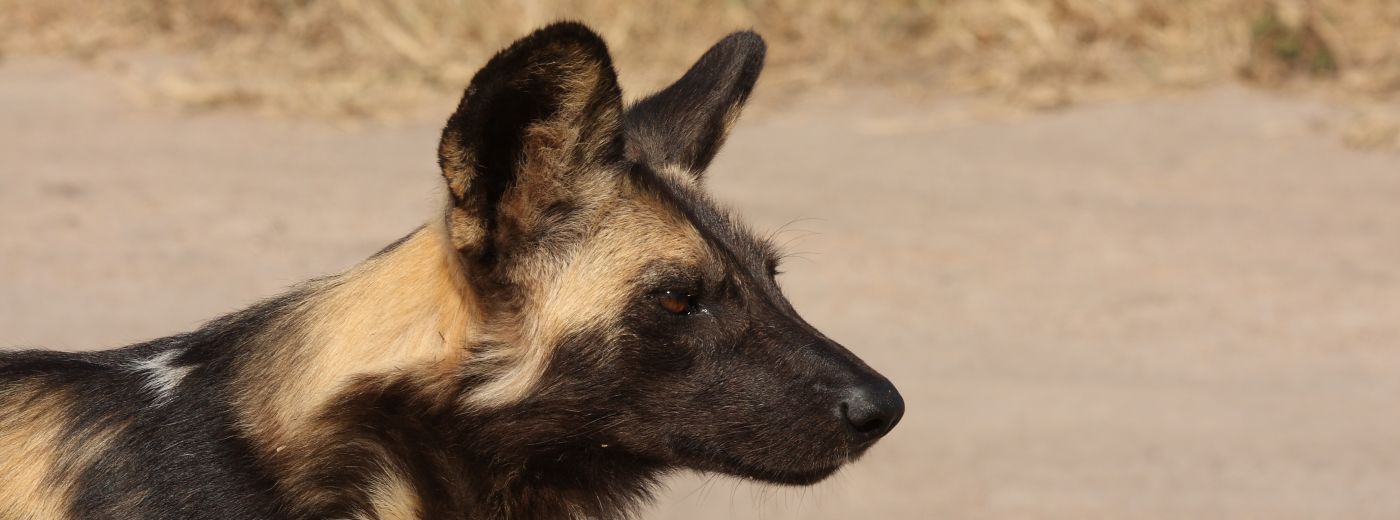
[379,57]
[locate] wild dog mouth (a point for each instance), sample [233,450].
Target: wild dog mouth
[735,466]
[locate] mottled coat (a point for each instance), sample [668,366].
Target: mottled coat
[577,320]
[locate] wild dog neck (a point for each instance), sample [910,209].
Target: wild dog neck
[371,366]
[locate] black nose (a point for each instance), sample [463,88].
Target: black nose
[871,410]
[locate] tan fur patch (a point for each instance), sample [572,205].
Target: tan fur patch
[731,117]
[38,467]
[405,310]
[391,498]
[680,175]
[29,441]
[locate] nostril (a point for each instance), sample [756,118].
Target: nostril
[870,412]
[871,425]
[864,417]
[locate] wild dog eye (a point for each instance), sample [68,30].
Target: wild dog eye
[676,302]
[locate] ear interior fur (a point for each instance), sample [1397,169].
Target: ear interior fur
[540,114]
[684,125]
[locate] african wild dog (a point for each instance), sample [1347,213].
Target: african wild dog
[579,321]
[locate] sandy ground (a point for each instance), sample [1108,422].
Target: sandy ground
[1175,308]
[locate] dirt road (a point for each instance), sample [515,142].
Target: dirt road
[1176,308]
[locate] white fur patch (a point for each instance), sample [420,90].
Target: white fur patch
[161,378]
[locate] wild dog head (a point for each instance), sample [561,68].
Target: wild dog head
[626,313]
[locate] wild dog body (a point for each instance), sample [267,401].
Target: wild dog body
[580,320]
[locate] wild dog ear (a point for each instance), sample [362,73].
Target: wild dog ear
[538,115]
[685,124]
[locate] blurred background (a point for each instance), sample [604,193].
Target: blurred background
[1124,258]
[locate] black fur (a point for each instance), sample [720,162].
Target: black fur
[686,123]
[183,459]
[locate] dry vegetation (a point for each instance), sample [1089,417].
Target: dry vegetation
[378,57]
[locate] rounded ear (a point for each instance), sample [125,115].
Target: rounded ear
[539,113]
[685,124]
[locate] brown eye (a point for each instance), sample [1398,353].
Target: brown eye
[676,302]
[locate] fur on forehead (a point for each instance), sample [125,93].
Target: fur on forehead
[724,234]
